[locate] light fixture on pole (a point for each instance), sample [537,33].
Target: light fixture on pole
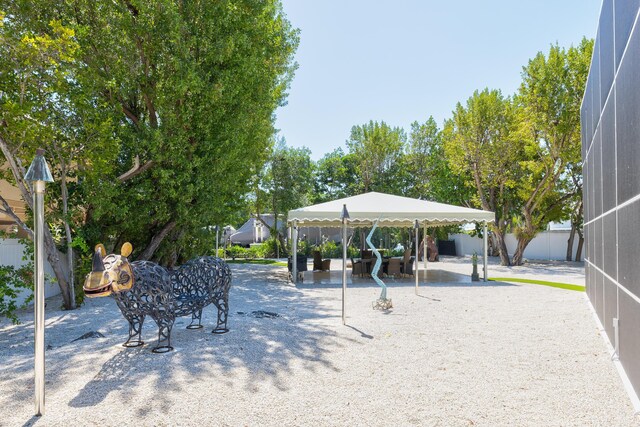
[344,218]
[416,226]
[38,173]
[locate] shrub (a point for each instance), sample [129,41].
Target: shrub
[272,248]
[353,252]
[236,251]
[13,280]
[397,252]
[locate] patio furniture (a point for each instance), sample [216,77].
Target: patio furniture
[366,254]
[432,250]
[406,258]
[301,265]
[394,267]
[407,267]
[356,268]
[320,264]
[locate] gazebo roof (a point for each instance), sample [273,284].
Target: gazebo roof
[393,211]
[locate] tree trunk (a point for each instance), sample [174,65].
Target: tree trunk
[518,255]
[494,250]
[67,230]
[60,268]
[502,248]
[580,245]
[157,239]
[570,242]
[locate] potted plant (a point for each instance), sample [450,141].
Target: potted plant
[475,277]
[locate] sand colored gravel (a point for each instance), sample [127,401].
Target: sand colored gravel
[456,355]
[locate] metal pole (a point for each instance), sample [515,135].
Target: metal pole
[294,252]
[38,173]
[424,253]
[485,250]
[217,239]
[38,202]
[224,244]
[417,262]
[344,266]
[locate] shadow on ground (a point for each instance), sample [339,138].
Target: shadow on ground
[265,347]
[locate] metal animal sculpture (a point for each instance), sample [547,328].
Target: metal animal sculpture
[144,288]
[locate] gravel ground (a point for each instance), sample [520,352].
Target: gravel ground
[456,355]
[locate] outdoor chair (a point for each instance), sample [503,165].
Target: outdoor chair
[406,259]
[407,267]
[320,264]
[366,254]
[394,267]
[301,265]
[356,268]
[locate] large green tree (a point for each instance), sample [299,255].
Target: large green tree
[335,176]
[428,174]
[479,143]
[377,149]
[549,104]
[183,93]
[285,183]
[193,87]
[43,105]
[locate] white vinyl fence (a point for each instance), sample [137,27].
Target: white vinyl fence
[11,251]
[547,245]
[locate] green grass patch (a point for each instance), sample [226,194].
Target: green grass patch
[539,282]
[257,261]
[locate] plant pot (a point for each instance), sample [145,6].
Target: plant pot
[475,277]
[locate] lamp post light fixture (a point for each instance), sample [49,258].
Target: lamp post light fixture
[344,218]
[38,173]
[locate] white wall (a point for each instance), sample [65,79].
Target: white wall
[11,251]
[548,245]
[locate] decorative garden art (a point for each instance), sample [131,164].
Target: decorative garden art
[144,288]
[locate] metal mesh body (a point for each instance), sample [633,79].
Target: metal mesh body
[164,295]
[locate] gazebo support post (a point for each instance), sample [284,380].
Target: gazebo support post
[417,262]
[485,250]
[344,266]
[294,251]
[424,252]
[344,218]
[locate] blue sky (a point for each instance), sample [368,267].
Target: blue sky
[404,60]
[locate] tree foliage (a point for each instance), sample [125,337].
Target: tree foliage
[155,115]
[549,116]
[428,175]
[285,183]
[336,176]
[377,149]
[479,144]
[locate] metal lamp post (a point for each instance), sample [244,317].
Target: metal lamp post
[416,226]
[344,218]
[39,173]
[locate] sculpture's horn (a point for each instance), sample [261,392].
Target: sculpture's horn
[97,265]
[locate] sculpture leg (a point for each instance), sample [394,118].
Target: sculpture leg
[165,323]
[196,320]
[222,304]
[135,331]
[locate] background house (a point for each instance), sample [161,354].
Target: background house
[254,231]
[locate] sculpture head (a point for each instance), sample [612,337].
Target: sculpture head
[109,273]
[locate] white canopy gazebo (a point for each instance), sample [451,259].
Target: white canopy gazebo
[390,211]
